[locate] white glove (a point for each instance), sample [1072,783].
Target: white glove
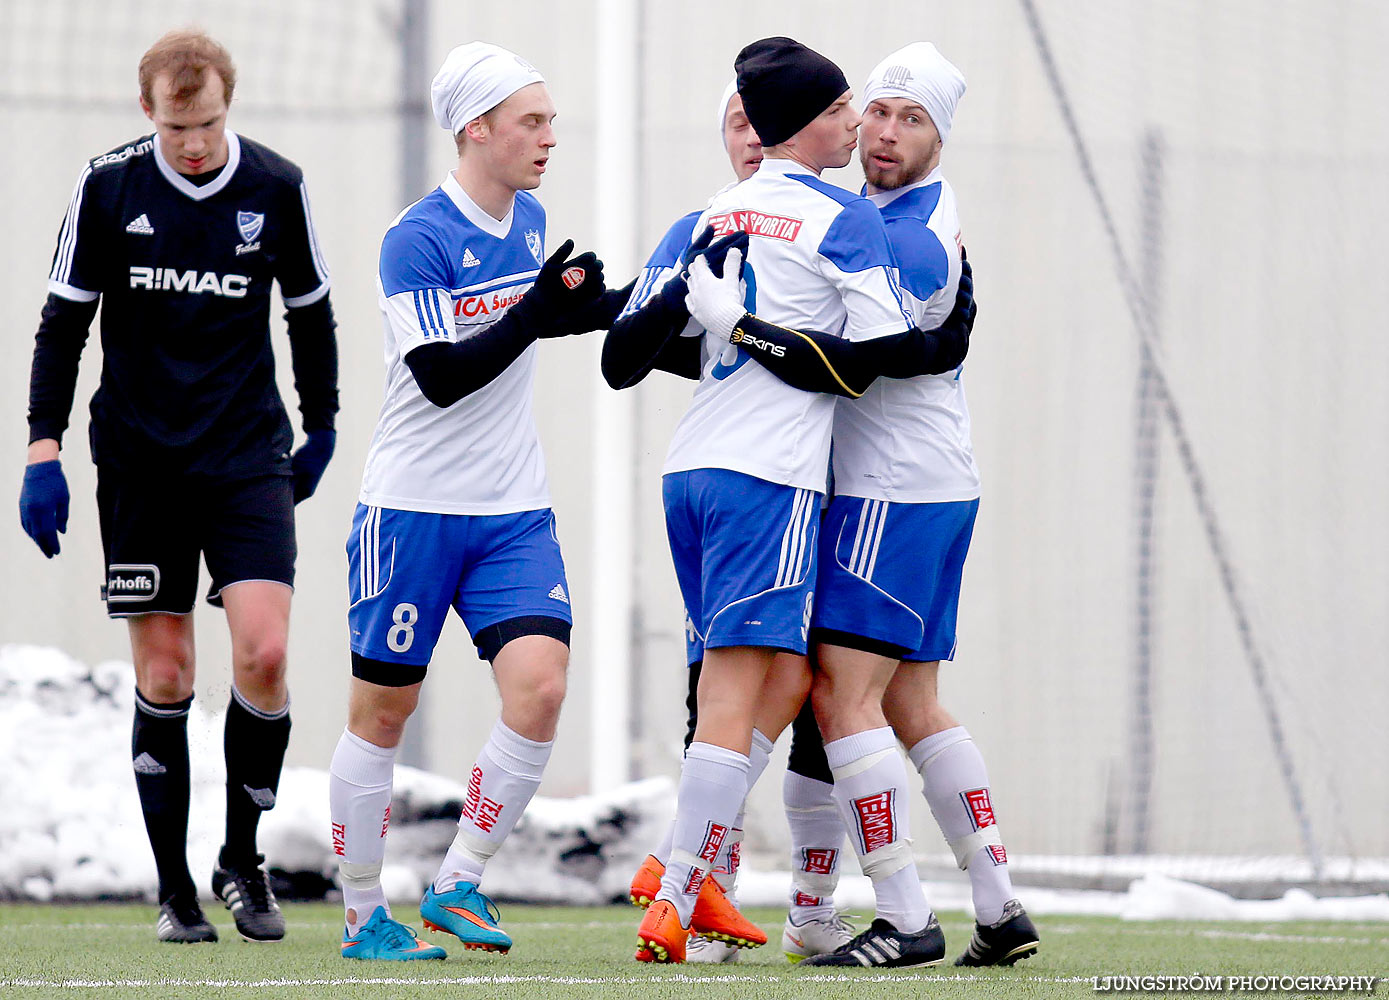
[716,303]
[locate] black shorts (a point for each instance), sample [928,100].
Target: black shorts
[153,529]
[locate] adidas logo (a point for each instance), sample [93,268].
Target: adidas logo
[558,594]
[140,226]
[145,764]
[468,259]
[264,798]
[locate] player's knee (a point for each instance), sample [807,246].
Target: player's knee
[381,724]
[546,697]
[260,665]
[165,674]
[163,682]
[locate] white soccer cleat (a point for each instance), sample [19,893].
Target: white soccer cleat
[814,937]
[703,949]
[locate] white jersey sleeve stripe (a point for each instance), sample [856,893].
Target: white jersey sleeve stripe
[319,264]
[67,236]
[73,293]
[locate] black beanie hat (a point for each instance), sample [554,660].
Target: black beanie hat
[785,86]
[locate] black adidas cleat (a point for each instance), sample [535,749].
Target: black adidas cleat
[883,946]
[246,891]
[181,921]
[1010,940]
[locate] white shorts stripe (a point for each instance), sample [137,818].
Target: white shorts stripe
[877,538]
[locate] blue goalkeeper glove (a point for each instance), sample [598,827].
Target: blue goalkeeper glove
[310,461]
[43,504]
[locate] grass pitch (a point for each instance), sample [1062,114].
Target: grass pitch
[109,951]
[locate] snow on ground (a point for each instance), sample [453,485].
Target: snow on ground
[70,823]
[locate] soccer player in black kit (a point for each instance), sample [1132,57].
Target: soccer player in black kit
[180,235]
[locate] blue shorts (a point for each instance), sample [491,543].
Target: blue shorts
[694,645]
[407,568]
[744,552]
[890,574]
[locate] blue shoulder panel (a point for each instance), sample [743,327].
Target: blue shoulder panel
[831,191]
[922,260]
[674,242]
[857,239]
[415,252]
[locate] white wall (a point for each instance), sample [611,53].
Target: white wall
[1271,334]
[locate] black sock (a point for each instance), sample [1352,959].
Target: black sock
[254,743]
[159,753]
[807,757]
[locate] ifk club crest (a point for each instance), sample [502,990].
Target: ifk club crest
[249,224]
[533,241]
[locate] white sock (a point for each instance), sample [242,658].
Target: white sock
[730,857]
[359,805]
[870,789]
[505,776]
[956,785]
[817,841]
[713,784]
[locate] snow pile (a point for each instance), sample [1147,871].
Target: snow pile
[71,827]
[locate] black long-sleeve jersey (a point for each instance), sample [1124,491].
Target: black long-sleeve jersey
[183,273]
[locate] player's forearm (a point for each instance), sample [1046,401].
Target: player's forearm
[313,347]
[447,372]
[58,345]
[646,339]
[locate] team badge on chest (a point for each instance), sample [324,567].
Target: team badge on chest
[533,241]
[249,225]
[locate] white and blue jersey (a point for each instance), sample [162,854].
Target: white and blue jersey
[818,258]
[908,440]
[894,541]
[449,271]
[454,505]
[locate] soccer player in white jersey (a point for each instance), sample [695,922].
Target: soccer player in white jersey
[647,336]
[746,468]
[915,518]
[896,534]
[454,509]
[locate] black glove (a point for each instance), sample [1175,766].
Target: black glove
[674,290]
[310,461]
[43,504]
[953,332]
[562,289]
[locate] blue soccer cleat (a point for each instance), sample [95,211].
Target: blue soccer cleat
[387,939]
[468,915]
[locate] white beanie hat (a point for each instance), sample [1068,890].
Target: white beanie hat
[919,73]
[728,93]
[474,79]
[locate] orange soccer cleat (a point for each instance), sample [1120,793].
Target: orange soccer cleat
[660,938]
[646,882]
[715,916]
